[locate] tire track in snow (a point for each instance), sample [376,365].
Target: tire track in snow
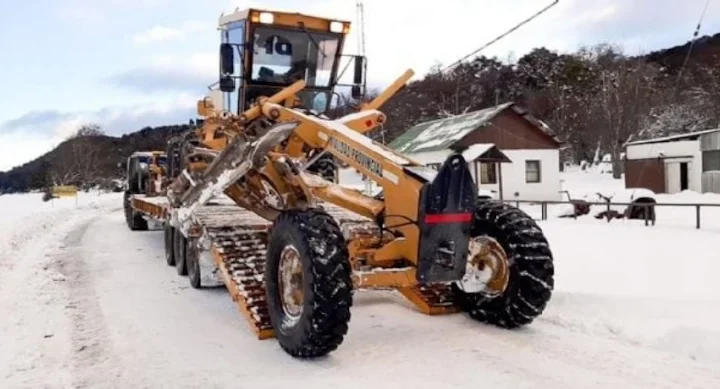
[93,361]
[35,340]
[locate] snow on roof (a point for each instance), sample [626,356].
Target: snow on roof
[442,133]
[470,154]
[476,150]
[673,138]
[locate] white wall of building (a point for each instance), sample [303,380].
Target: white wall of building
[440,156]
[673,153]
[513,175]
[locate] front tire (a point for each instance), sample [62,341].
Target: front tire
[316,321]
[531,268]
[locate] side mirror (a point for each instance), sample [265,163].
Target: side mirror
[358,78]
[227,84]
[227,61]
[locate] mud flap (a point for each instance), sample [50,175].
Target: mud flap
[446,209]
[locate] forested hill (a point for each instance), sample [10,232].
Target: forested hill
[706,51]
[595,99]
[87,158]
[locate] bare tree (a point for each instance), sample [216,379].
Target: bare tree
[79,164]
[627,95]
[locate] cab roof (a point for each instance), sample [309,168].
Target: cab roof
[281,18]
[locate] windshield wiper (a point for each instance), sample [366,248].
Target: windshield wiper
[312,39]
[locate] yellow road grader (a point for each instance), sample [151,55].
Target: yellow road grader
[245,201]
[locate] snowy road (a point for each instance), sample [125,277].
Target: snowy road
[95,306]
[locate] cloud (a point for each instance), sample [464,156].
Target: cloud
[400,37]
[164,33]
[97,13]
[193,72]
[35,133]
[34,119]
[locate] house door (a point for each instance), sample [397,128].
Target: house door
[677,176]
[683,176]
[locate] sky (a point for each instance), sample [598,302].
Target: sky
[127,64]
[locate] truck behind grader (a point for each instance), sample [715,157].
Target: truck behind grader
[245,202]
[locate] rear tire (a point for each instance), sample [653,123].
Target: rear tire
[169,245]
[192,258]
[531,268]
[179,244]
[325,283]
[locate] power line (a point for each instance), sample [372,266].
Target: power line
[677,81]
[692,45]
[502,35]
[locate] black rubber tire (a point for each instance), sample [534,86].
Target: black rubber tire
[327,281]
[127,210]
[134,220]
[192,256]
[179,244]
[531,279]
[169,245]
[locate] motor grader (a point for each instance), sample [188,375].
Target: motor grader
[145,174]
[291,245]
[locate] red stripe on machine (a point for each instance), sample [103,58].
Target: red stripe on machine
[441,218]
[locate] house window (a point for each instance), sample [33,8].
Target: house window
[488,173]
[711,160]
[532,171]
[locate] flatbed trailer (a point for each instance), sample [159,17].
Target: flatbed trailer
[228,245]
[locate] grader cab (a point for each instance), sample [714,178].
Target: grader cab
[262,52]
[427,236]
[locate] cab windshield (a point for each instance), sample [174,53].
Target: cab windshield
[282,56]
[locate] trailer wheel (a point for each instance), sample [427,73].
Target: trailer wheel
[169,245]
[192,258]
[528,275]
[179,244]
[308,284]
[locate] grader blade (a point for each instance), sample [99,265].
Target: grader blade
[231,164]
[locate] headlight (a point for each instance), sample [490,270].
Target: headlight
[266,17]
[336,27]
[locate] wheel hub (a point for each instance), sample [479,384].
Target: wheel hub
[291,282]
[487,267]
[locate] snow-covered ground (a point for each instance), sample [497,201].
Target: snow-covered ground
[585,185]
[87,303]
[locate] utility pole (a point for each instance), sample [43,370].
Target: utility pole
[361,31]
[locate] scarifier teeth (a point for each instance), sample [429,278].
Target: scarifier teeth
[436,295]
[243,254]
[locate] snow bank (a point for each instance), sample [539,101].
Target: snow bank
[37,333]
[651,285]
[24,216]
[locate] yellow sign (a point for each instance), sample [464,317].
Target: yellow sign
[65,191]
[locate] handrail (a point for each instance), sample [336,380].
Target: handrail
[608,204]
